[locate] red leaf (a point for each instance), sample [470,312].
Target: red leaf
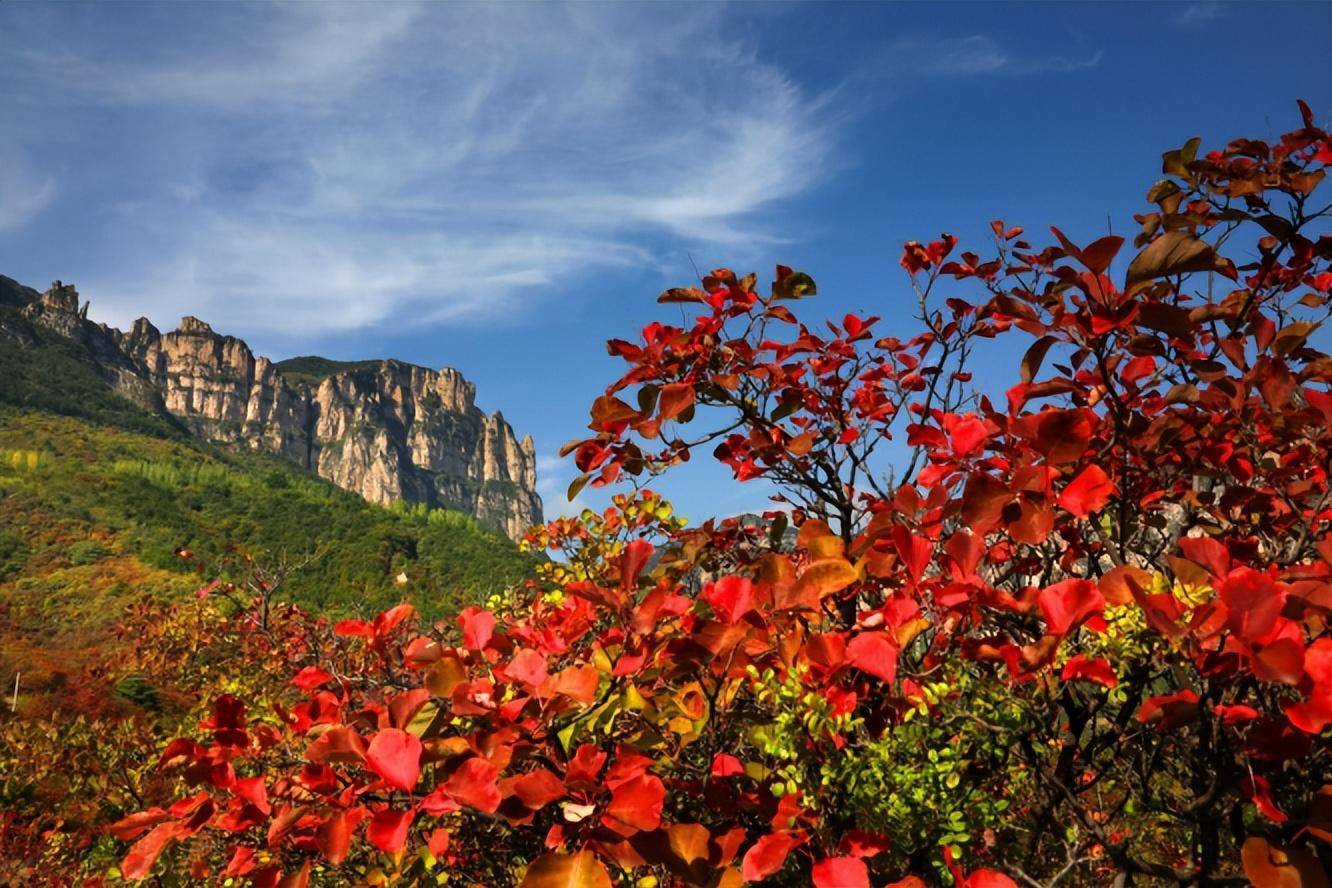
[674,399]
[437,803]
[337,744]
[438,842]
[354,628]
[1169,710]
[477,627]
[1211,554]
[841,872]
[577,683]
[474,785]
[966,434]
[538,788]
[1060,435]
[243,861]
[527,667]
[395,755]
[334,837]
[637,803]
[253,790]
[389,619]
[635,557]
[1067,603]
[138,863]
[767,855]
[1097,670]
[387,830]
[608,410]
[1315,713]
[310,678]
[1256,789]
[135,825]
[1236,714]
[1088,492]
[875,653]
[1254,602]
[724,765]
[1098,255]
[1282,660]
[914,549]
[731,598]
[858,843]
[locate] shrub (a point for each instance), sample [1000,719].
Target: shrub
[86,552]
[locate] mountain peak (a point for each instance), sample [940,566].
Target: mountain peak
[385,429]
[191,325]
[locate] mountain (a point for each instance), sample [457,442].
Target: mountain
[101,481]
[386,430]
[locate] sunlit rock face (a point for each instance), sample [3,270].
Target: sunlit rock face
[386,430]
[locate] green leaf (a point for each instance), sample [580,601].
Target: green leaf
[576,486]
[1176,162]
[795,285]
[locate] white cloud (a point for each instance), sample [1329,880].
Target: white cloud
[1197,14]
[24,192]
[337,166]
[554,474]
[969,56]
[325,167]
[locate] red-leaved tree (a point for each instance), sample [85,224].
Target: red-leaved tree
[1070,632]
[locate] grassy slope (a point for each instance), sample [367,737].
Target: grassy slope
[96,495]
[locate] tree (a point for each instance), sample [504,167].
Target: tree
[1077,635]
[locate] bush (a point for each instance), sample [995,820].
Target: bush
[86,552]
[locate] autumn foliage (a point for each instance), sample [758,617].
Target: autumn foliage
[1070,631]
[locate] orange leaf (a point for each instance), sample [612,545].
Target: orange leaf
[1272,866]
[581,870]
[823,578]
[675,399]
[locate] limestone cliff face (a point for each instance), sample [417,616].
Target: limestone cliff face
[386,430]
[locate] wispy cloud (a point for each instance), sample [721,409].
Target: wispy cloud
[24,192]
[1201,13]
[553,477]
[969,56]
[344,164]
[326,167]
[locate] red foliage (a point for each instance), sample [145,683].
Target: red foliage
[1128,561]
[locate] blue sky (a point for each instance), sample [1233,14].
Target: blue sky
[500,188]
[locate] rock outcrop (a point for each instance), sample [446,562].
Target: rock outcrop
[386,430]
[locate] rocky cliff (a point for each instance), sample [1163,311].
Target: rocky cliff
[387,430]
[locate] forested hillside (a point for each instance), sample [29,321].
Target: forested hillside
[98,494]
[91,516]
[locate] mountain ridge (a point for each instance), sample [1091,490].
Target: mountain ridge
[385,429]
